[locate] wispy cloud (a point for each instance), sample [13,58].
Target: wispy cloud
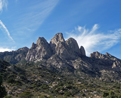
[3,27]
[33,15]
[93,40]
[3,3]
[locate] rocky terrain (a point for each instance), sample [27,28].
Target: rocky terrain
[45,66]
[60,54]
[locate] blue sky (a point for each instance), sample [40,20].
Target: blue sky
[96,25]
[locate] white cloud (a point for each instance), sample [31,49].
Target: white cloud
[5,49]
[93,40]
[3,3]
[3,27]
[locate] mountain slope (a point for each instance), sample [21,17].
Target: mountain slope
[60,67]
[61,55]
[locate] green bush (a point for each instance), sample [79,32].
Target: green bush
[67,93]
[105,94]
[8,97]
[44,86]
[26,94]
[10,81]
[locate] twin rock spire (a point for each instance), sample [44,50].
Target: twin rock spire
[68,49]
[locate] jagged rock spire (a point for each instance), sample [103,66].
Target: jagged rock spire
[33,46]
[41,41]
[57,38]
[82,50]
[40,50]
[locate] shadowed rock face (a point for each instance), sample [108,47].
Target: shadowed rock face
[33,46]
[82,50]
[72,45]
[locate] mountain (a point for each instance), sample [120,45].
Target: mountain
[60,61]
[61,54]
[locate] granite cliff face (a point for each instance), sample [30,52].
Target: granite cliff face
[58,38]
[58,46]
[43,50]
[39,51]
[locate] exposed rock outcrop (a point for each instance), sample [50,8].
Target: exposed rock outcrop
[21,53]
[82,50]
[116,65]
[65,49]
[33,46]
[40,50]
[61,55]
[24,49]
[55,40]
[97,55]
[73,46]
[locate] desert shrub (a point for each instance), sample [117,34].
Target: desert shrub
[43,96]
[67,93]
[10,81]
[8,97]
[105,94]
[44,86]
[26,94]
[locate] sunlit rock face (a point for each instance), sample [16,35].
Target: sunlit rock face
[40,50]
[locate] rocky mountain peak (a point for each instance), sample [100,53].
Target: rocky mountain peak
[82,50]
[41,41]
[55,40]
[42,50]
[25,49]
[33,46]
[107,54]
[39,51]
[73,46]
[97,55]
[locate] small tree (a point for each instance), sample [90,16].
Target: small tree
[2,89]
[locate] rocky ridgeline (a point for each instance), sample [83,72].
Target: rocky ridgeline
[62,54]
[43,50]
[114,62]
